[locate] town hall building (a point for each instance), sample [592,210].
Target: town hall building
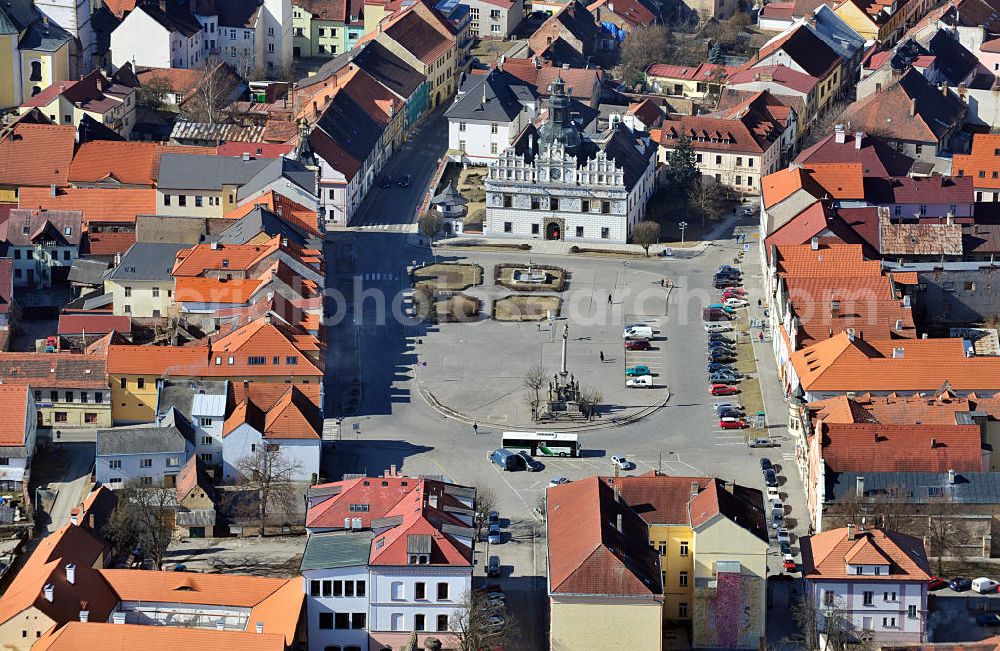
[559,183]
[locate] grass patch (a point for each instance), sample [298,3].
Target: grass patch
[609,253]
[447,277]
[457,308]
[745,361]
[523,307]
[499,246]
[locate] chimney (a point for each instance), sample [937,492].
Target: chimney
[859,136]
[859,486]
[728,485]
[949,218]
[315,108]
[839,134]
[851,533]
[260,627]
[835,309]
[52,190]
[814,244]
[71,573]
[49,591]
[215,246]
[694,488]
[913,107]
[951,476]
[933,443]
[618,494]
[84,616]
[618,522]
[944,89]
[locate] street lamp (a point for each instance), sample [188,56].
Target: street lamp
[682,226]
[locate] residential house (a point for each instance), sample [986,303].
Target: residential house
[69,390]
[36,51]
[874,580]
[211,186]
[918,119]
[571,36]
[794,90]
[735,149]
[601,569]
[873,20]
[495,18]
[104,209]
[425,40]
[188,91]
[489,113]
[386,558]
[717,9]
[326,28]
[141,283]
[803,51]
[845,363]
[117,165]
[907,199]
[44,244]
[581,84]
[34,155]
[17,439]
[982,165]
[150,455]
[66,102]
[195,515]
[559,183]
[941,58]
[158,35]
[203,403]
[693,82]
[877,157]
[290,423]
[10,310]
[625,16]
[954,293]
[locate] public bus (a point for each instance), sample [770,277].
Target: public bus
[545,444]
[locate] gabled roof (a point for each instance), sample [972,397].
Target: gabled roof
[174,16]
[36,155]
[94,92]
[821,181]
[746,128]
[291,416]
[100,205]
[198,259]
[288,210]
[909,109]
[29,227]
[878,447]
[740,505]
[126,163]
[982,164]
[780,75]
[147,261]
[587,552]
[487,97]
[658,498]
[803,47]
[345,135]
[194,172]
[193,289]
[54,370]
[877,158]
[14,405]
[104,636]
[826,555]
[419,35]
[700,72]
[192,474]
[141,440]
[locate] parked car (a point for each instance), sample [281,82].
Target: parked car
[731,423]
[718,336]
[539,513]
[960,584]
[636,371]
[723,390]
[736,302]
[723,283]
[558,481]
[770,477]
[720,357]
[493,517]
[720,345]
[721,406]
[637,331]
[621,462]
[404,181]
[718,327]
[772,494]
[736,291]
[984,585]
[534,465]
[786,548]
[714,367]
[765,464]
[788,562]
[936,583]
[493,537]
[723,378]
[723,268]
[493,567]
[783,535]
[730,413]
[760,442]
[988,619]
[641,382]
[637,344]
[384,181]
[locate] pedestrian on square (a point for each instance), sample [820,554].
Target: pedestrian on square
[609,299]
[602,357]
[759,302]
[761,336]
[475,426]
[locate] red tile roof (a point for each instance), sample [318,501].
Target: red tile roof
[982,165]
[103,636]
[587,552]
[54,370]
[778,74]
[803,47]
[700,72]
[107,243]
[215,290]
[93,324]
[127,163]
[657,498]
[14,406]
[741,505]
[36,155]
[102,205]
[878,447]
[877,157]
[292,416]
[256,149]
[826,555]
[750,129]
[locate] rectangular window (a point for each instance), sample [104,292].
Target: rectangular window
[357,620]
[338,588]
[256,360]
[605,233]
[89,417]
[115,464]
[718,160]
[206,457]
[493,148]
[128,292]
[145,463]
[662,548]
[166,200]
[442,591]
[579,231]
[359,588]
[69,396]
[197,200]
[682,609]
[553,203]
[828,597]
[682,579]
[98,397]
[61,417]
[493,127]
[911,611]
[206,440]
[535,229]
[348,588]
[140,383]
[418,622]
[508,227]
[420,590]
[325,621]
[442,623]
[684,548]
[53,396]
[123,382]
[605,207]
[585,206]
[739,180]
[869,598]
[342,620]
[182,200]
[536,203]
[291,360]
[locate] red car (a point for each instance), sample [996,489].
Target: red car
[789,565]
[723,390]
[637,344]
[733,293]
[936,583]
[731,423]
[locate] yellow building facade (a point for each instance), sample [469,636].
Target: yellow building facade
[9,85]
[606,623]
[885,31]
[40,69]
[675,545]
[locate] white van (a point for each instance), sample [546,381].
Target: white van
[983,585]
[638,332]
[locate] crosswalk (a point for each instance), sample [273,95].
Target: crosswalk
[386,228]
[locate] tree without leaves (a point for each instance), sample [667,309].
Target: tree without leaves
[430,223]
[143,517]
[824,124]
[486,501]
[708,197]
[471,625]
[642,47]
[946,535]
[646,234]
[814,619]
[153,94]
[212,94]
[534,380]
[268,472]
[590,400]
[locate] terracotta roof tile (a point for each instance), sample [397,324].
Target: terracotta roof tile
[107,243]
[102,205]
[166,361]
[748,128]
[876,447]
[54,370]
[128,163]
[739,504]
[656,498]
[780,75]
[37,155]
[824,555]
[877,157]
[982,165]
[827,260]
[95,324]
[14,406]
[215,290]
[102,636]
[700,72]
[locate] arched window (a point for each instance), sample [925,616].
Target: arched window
[36,71]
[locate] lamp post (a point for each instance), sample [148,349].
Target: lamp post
[682,226]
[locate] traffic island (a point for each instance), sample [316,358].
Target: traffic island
[526,307]
[530,277]
[447,277]
[457,308]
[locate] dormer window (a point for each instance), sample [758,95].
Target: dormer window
[419,559]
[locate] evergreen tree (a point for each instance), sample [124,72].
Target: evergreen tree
[715,54]
[682,173]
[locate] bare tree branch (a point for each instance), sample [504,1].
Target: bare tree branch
[269,472]
[534,380]
[143,518]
